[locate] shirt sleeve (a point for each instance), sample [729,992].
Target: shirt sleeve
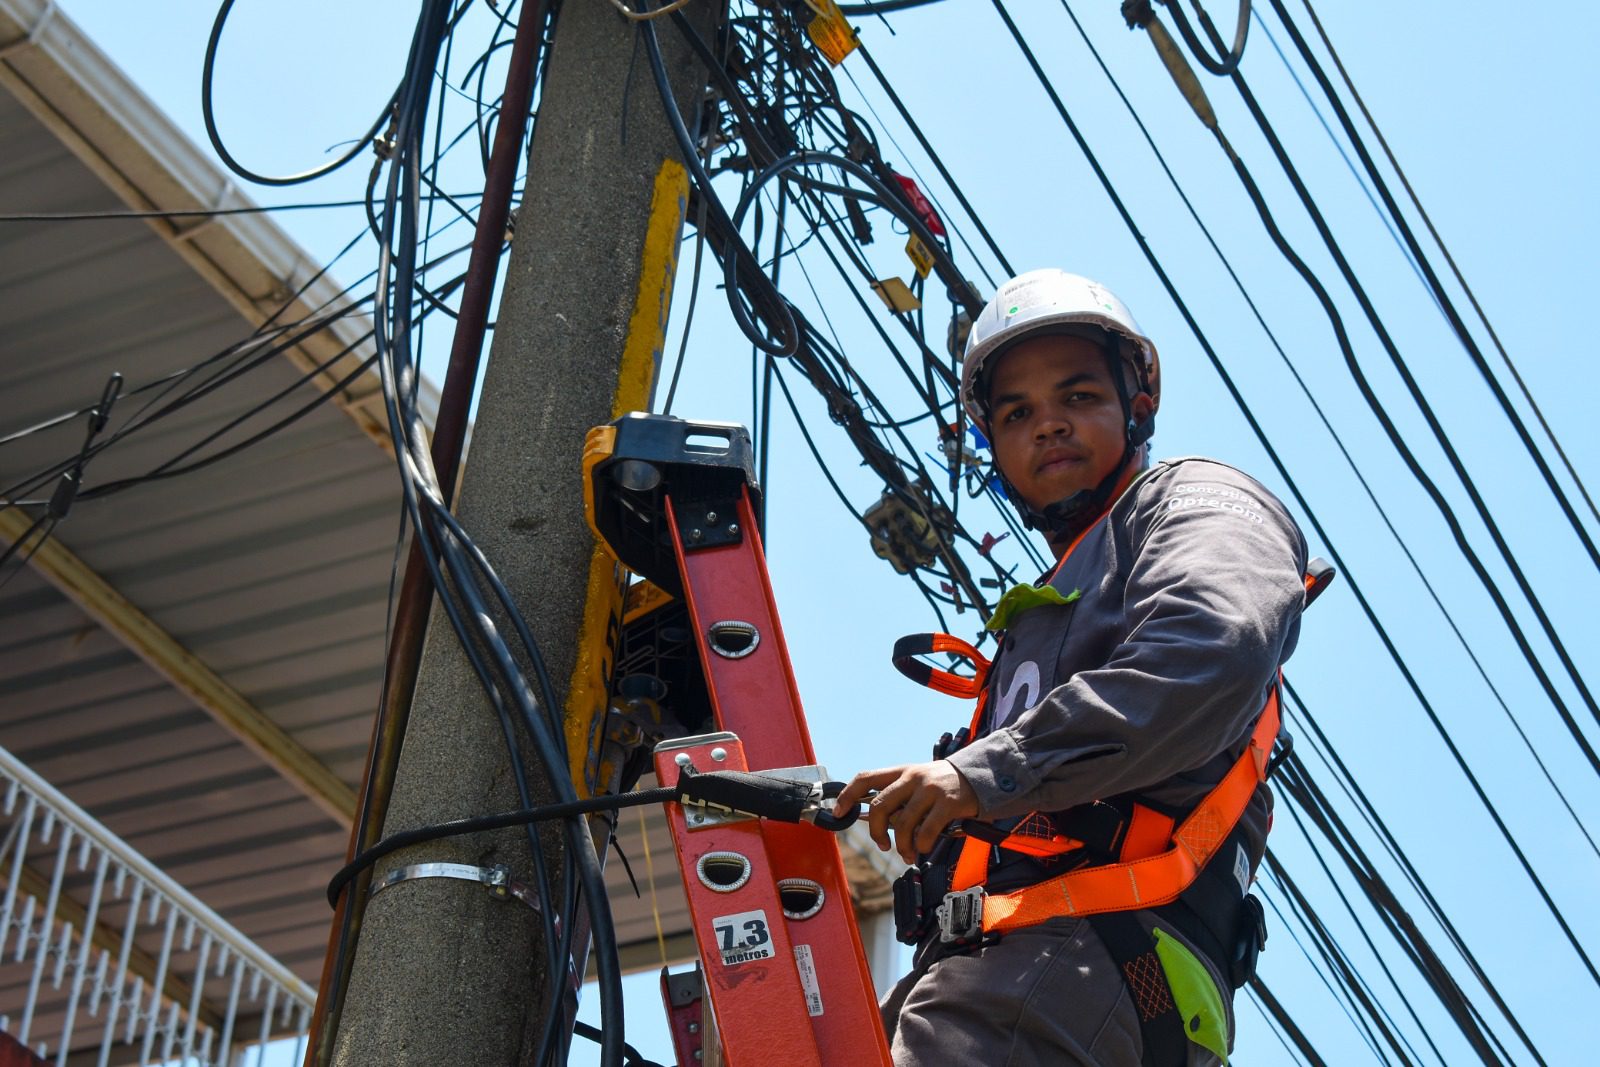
[1212,601]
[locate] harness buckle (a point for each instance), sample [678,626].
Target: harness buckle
[961,916]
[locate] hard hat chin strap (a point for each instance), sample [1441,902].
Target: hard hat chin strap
[1071,516]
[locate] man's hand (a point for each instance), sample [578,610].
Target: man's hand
[917,801]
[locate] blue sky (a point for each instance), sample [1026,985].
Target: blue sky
[1491,115]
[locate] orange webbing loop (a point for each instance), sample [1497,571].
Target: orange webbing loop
[1034,836]
[908,648]
[972,866]
[1153,880]
[1149,833]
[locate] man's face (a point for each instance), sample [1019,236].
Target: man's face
[1055,419]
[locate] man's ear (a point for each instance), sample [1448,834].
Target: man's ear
[1141,407]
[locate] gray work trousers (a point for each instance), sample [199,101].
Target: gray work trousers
[1043,995]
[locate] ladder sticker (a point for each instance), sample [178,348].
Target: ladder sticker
[743,938]
[808,979]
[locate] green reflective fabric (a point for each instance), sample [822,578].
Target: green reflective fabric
[1204,1015]
[1021,598]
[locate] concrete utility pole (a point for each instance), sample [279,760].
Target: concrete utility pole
[445,972]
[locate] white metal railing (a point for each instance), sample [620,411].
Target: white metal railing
[83,996]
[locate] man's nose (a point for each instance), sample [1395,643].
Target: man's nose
[1052,424]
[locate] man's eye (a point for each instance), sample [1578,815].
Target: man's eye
[1014,414]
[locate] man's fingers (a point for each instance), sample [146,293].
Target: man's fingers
[938,817]
[922,799]
[860,786]
[884,806]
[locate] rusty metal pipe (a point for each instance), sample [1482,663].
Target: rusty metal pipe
[416,589]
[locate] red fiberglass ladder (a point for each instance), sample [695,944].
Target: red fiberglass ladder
[781,956]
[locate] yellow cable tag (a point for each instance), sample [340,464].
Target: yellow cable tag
[921,257]
[896,294]
[829,31]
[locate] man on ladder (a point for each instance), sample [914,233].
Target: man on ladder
[1100,911]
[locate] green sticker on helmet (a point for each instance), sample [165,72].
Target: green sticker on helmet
[1013,309]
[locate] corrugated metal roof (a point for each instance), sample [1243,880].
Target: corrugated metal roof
[272,567]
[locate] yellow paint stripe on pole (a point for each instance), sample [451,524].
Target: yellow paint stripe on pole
[588,696]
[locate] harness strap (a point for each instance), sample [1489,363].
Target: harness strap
[1149,832]
[1153,880]
[1134,952]
[972,865]
[908,648]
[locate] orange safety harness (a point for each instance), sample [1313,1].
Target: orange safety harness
[1158,857]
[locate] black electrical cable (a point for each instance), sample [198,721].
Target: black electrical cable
[1334,955]
[1379,827]
[208,114]
[245,358]
[1275,1009]
[1298,784]
[412,454]
[1231,57]
[763,444]
[883,7]
[1437,287]
[1287,923]
[1349,162]
[1432,489]
[1449,259]
[1338,440]
[497,821]
[743,264]
[938,163]
[1412,388]
[1277,1031]
[196,213]
[1336,980]
[244,352]
[43,520]
[688,318]
[1278,464]
[1290,767]
[631,1055]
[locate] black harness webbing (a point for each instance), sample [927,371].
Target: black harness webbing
[1133,950]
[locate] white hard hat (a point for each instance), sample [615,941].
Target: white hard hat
[1051,301]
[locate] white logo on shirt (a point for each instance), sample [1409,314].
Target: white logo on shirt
[1024,678]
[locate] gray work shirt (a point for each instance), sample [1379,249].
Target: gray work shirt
[1184,601]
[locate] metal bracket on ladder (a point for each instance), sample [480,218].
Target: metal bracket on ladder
[781,953]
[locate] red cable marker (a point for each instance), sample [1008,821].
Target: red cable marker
[921,205]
